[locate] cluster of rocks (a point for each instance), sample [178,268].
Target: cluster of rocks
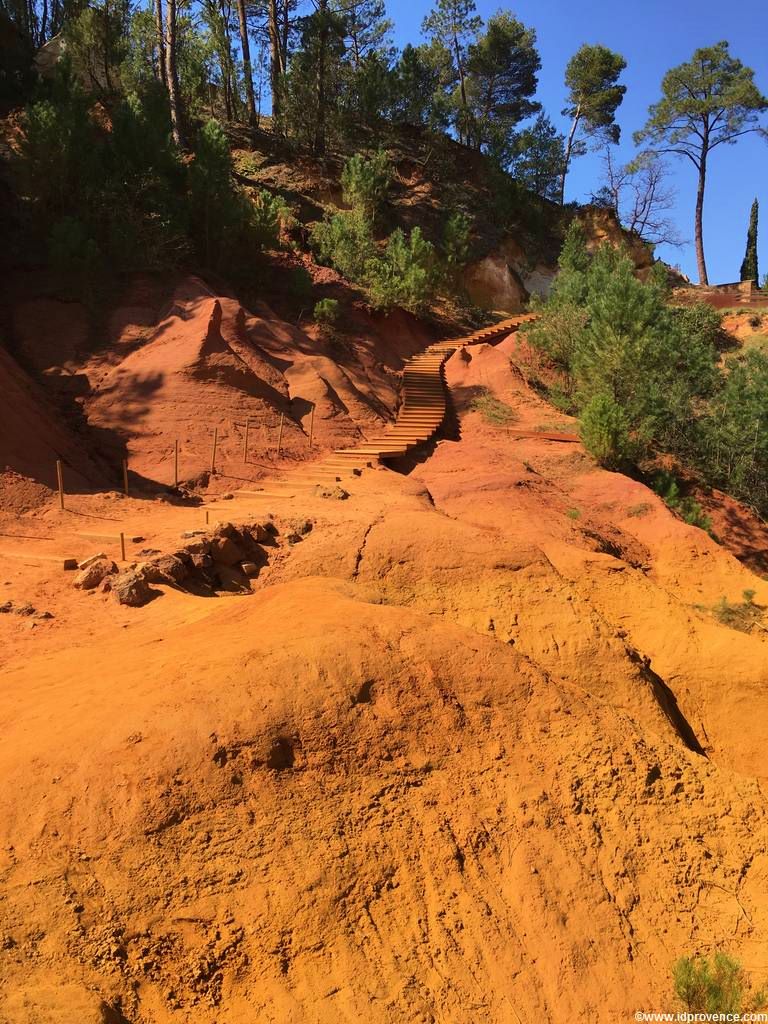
[223,559]
[26,609]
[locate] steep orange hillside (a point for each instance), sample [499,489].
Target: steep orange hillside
[475,747]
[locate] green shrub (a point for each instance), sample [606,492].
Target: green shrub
[74,256]
[455,246]
[365,182]
[405,275]
[605,432]
[344,241]
[574,513]
[666,485]
[716,986]
[327,312]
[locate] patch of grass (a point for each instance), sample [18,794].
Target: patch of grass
[552,428]
[744,615]
[574,513]
[639,510]
[493,410]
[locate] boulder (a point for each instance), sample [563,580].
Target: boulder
[132,588]
[226,551]
[91,575]
[168,569]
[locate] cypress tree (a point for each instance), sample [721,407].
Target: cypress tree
[749,266]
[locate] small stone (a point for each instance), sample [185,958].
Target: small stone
[331,492]
[250,568]
[227,497]
[25,609]
[187,534]
[45,615]
[6,607]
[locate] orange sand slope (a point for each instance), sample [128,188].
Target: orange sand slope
[474,749]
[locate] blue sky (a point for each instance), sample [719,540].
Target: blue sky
[652,36]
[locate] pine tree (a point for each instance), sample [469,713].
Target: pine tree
[710,101]
[749,265]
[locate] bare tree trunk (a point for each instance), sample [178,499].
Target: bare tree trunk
[172,78]
[276,66]
[161,41]
[568,151]
[319,142]
[698,231]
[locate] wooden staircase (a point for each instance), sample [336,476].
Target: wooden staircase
[420,416]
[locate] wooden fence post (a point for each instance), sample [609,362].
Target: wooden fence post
[176,464]
[60,478]
[245,443]
[122,547]
[125,476]
[311,424]
[213,450]
[280,435]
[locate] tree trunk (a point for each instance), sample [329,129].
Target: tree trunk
[247,72]
[698,232]
[568,150]
[284,39]
[276,67]
[172,77]
[462,85]
[319,141]
[161,42]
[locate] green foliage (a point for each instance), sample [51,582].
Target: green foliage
[718,985]
[713,91]
[536,157]
[733,431]
[326,312]
[591,77]
[573,513]
[709,101]
[74,257]
[226,227]
[613,335]
[493,410]
[666,485]
[419,78]
[345,241]
[365,182]
[605,432]
[455,246]
[501,70]
[97,44]
[749,270]
[405,275]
